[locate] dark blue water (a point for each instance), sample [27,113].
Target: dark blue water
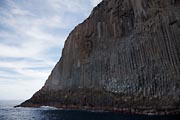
[7,112]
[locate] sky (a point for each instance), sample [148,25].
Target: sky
[32,35]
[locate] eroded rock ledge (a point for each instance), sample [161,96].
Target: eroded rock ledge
[125,55]
[92,99]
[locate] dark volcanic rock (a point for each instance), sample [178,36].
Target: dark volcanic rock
[126,54]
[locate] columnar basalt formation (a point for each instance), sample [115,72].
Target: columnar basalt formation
[126,54]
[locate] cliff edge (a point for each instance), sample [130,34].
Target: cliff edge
[124,57]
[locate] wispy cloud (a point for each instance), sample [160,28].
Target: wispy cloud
[32,34]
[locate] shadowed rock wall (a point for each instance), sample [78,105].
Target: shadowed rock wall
[129,47]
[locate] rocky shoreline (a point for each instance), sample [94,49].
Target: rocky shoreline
[88,99]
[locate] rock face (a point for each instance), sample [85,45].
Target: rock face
[126,54]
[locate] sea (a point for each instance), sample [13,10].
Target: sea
[8,112]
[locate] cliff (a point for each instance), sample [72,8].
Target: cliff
[125,56]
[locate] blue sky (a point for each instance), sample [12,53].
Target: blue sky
[32,35]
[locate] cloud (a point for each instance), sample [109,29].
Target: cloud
[19,90]
[32,34]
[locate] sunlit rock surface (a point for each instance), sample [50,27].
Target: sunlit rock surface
[126,54]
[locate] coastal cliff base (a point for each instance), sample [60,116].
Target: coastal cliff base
[90,99]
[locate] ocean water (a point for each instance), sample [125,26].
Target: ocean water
[7,112]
